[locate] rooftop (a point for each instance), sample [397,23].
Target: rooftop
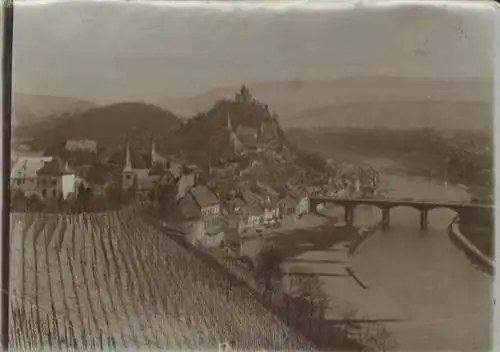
[55,167]
[187,209]
[288,201]
[204,197]
[27,167]
[249,197]
[253,209]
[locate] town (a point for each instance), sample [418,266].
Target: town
[205,202]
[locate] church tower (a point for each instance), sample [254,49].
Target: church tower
[154,158]
[128,159]
[127,172]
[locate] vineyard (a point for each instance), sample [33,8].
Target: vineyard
[112,281]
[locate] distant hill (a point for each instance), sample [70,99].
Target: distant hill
[107,124]
[400,115]
[291,98]
[29,108]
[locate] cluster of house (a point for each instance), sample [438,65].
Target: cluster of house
[50,178]
[195,207]
[256,209]
[43,177]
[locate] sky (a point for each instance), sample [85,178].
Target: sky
[116,51]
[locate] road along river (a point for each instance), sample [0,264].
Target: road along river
[420,285]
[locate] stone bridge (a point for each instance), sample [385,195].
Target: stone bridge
[464,209]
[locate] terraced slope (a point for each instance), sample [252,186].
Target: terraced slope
[95,281]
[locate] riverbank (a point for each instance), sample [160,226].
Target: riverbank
[482,237]
[474,253]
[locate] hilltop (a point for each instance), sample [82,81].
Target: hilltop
[207,134]
[294,97]
[107,125]
[243,139]
[30,108]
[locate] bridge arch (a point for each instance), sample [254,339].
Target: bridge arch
[385,206]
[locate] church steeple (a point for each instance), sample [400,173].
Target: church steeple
[153,151]
[128,159]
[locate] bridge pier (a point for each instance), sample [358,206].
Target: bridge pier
[423,220]
[349,215]
[386,218]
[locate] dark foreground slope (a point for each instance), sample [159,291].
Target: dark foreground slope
[128,286]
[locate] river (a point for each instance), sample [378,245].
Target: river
[421,286]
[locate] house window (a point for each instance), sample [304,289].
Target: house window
[44,192]
[54,193]
[128,177]
[54,182]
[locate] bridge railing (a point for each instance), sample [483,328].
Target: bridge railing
[398,199]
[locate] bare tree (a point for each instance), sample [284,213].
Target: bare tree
[268,270]
[375,337]
[308,299]
[347,314]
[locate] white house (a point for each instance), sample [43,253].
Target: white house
[23,176]
[271,213]
[209,206]
[303,205]
[256,215]
[56,179]
[199,211]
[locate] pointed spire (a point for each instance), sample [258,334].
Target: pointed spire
[153,150]
[128,159]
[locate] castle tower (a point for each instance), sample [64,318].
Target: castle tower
[244,96]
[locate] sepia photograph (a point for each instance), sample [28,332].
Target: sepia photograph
[251,176]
